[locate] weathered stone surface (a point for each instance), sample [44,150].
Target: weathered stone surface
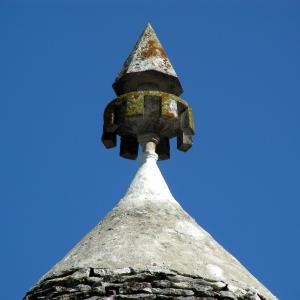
[218,285]
[135,284]
[136,296]
[162,283]
[172,291]
[142,112]
[147,63]
[147,88]
[148,229]
[227,295]
[133,287]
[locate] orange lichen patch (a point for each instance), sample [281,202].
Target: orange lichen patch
[153,49]
[148,54]
[167,64]
[169,115]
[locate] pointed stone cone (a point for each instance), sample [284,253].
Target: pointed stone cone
[148,232]
[147,68]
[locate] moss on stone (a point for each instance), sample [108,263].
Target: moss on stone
[134,104]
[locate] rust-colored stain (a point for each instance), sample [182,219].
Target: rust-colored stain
[154,49]
[169,114]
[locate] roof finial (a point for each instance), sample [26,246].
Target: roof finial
[148,108]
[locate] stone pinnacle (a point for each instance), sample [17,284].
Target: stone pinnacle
[148,108]
[147,61]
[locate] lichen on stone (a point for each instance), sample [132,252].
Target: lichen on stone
[134,104]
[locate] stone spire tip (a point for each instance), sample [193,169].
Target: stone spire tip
[148,104]
[147,59]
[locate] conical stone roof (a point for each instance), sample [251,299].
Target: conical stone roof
[147,230]
[148,247]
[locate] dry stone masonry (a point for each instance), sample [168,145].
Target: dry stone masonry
[126,283]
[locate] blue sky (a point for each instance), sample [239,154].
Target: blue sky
[239,64]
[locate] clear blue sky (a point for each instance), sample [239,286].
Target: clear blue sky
[239,64]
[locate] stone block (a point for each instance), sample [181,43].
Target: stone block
[129,147]
[163,149]
[184,141]
[109,140]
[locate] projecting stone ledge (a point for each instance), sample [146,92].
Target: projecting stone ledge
[127,283]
